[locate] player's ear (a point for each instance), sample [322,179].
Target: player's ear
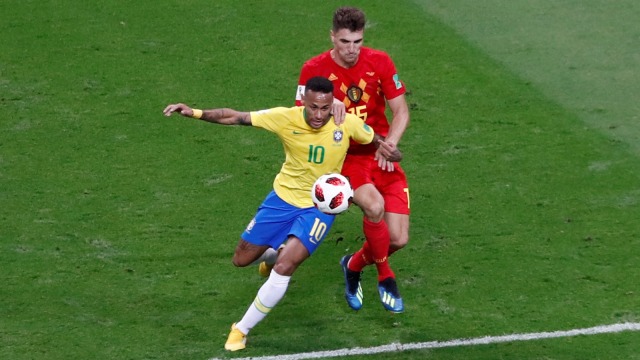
[302,97]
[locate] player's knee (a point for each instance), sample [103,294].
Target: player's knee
[398,242]
[239,261]
[284,268]
[374,211]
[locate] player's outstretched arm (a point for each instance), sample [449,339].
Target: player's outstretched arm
[181,109]
[222,116]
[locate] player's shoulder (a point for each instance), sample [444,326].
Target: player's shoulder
[354,121]
[318,59]
[280,113]
[376,60]
[349,117]
[374,53]
[278,109]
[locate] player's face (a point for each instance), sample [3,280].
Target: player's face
[317,108]
[346,46]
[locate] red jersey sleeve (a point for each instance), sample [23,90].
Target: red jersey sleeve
[391,84]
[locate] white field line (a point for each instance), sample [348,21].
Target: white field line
[396,347]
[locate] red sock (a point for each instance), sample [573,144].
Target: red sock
[360,258]
[377,238]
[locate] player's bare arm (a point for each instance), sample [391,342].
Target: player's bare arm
[222,116]
[399,123]
[226,116]
[400,120]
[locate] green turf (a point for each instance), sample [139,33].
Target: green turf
[117,225]
[580,54]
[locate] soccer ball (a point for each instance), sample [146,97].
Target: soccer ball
[332,193]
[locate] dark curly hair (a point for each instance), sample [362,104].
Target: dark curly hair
[350,18]
[319,84]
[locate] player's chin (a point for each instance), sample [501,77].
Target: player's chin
[316,124]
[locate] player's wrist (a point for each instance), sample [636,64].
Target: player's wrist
[197,113]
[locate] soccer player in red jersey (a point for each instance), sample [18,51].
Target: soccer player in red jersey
[365,80]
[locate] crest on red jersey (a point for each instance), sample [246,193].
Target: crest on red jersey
[354,93]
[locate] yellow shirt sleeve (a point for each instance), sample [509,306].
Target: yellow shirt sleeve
[359,131]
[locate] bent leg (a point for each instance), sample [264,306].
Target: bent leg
[291,257]
[273,290]
[247,253]
[375,231]
[370,201]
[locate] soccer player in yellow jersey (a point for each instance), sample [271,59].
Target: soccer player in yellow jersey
[314,146]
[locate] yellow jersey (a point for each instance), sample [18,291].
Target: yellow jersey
[309,152]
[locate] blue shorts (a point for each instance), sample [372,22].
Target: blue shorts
[276,220]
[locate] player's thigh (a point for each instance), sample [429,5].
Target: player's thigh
[369,199]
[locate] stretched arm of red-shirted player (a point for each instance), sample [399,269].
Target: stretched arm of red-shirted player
[399,123]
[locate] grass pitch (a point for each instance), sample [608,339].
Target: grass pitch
[117,225]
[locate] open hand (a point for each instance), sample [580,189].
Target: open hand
[183,109]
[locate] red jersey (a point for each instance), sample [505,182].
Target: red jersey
[363,88]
